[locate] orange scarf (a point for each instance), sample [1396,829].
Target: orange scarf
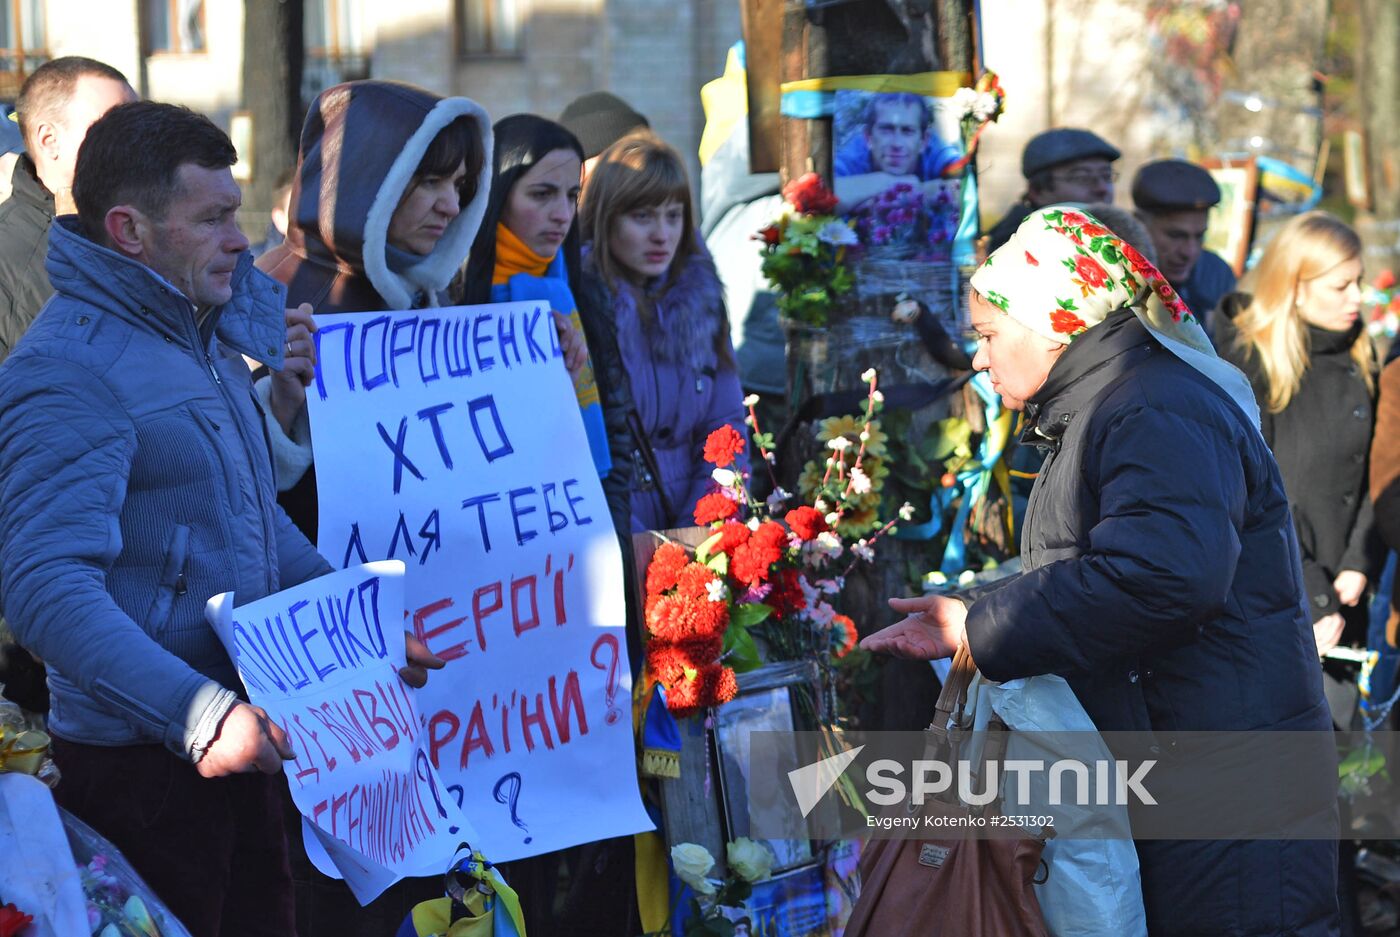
[514,256]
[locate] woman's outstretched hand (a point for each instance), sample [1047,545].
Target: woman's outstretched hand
[933,629]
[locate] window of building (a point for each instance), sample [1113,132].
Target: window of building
[23,43]
[488,27]
[173,26]
[337,48]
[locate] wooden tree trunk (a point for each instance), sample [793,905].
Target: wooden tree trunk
[272,61]
[860,38]
[1379,84]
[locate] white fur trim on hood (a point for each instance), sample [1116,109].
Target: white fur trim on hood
[437,269]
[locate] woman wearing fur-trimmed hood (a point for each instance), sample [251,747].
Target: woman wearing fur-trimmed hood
[390,189]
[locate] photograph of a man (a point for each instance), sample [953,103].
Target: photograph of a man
[884,140]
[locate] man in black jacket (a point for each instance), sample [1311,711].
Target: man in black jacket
[56,105]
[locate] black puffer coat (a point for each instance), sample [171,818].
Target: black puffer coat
[1322,441]
[1162,580]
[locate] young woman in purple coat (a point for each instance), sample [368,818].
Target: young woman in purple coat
[668,306]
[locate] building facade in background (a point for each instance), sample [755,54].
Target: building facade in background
[509,55]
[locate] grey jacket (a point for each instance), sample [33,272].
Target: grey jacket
[135,483]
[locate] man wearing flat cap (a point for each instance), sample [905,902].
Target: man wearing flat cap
[599,120]
[1173,199]
[1061,165]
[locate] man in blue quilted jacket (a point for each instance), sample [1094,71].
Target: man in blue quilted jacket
[135,483]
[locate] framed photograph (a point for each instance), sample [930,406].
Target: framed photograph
[766,710]
[1231,223]
[890,150]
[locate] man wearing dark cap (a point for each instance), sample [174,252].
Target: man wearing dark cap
[1061,165]
[1173,199]
[599,120]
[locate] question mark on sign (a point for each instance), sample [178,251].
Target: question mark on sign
[610,688]
[511,783]
[457,794]
[424,770]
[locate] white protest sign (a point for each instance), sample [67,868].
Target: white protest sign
[322,659]
[451,439]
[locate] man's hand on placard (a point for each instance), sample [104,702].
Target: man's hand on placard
[247,741]
[298,367]
[420,661]
[933,629]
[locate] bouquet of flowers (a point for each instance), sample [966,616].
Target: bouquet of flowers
[119,904]
[714,906]
[804,251]
[760,589]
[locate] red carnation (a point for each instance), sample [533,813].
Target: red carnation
[769,235]
[1089,271]
[13,920]
[751,561]
[666,563]
[723,445]
[849,636]
[713,685]
[786,597]
[1066,322]
[732,535]
[770,534]
[673,618]
[668,662]
[806,522]
[809,195]
[714,507]
[692,581]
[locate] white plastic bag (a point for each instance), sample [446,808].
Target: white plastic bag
[1094,888]
[37,871]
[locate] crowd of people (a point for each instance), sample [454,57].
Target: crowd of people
[1202,533]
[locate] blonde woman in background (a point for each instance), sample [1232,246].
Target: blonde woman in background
[1296,330]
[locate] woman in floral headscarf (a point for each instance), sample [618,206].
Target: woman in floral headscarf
[1161,572]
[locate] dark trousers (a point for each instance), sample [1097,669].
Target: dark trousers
[214,850]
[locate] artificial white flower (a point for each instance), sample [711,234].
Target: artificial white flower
[867,375]
[906,511]
[865,435]
[751,400]
[860,482]
[840,444]
[723,476]
[716,590]
[965,101]
[833,518]
[878,397]
[751,861]
[777,499]
[830,544]
[829,586]
[821,505]
[692,862]
[863,550]
[753,523]
[821,613]
[837,234]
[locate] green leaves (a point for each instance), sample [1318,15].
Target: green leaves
[749,614]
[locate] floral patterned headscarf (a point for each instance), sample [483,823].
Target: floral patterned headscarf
[1063,272]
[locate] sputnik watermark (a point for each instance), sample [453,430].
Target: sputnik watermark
[1113,785]
[1115,782]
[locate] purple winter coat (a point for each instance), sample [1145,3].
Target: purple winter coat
[681,391]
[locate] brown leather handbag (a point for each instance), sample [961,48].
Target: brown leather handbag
[960,887]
